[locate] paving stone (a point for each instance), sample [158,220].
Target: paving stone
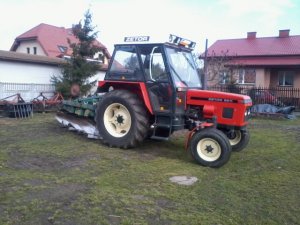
[183,180]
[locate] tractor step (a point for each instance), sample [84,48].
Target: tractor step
[159,138]
[162,125]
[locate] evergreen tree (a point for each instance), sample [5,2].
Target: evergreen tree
[77,70]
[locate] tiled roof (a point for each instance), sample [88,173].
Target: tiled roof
[266,61]
[50,37]
[266,46]
[29,58]
[36,59]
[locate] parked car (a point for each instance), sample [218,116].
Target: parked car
[261,96]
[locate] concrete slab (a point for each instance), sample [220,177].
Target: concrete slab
[183,180]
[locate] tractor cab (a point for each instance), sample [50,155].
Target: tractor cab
[166,70]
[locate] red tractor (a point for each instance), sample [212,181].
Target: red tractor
[152,90]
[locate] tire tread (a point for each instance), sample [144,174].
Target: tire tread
[139,115]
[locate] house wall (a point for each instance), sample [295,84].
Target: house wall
[297,79]
[273,78]
[22,48]
[267,77]
[105,59]
[18,72]
[99,76]
[262,78]
[29,79]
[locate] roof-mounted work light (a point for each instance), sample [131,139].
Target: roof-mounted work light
[181,41]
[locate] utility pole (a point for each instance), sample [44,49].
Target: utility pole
[205,67]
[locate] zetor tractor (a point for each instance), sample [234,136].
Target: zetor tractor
[152,90]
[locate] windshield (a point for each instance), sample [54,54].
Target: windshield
[183,68]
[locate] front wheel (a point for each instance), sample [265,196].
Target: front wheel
[210,147]
[238,139]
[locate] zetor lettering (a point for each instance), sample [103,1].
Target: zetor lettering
[137,39]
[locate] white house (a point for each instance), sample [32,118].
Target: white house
[52,41]
[30,74]
[35,57]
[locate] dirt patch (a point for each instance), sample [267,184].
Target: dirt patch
[295,129]
[178,135]
[114,219]
[161,205]
[19,160]
[64,193]
[7,121]
[13,129]
[165,203]
[34,182]
[1,211]
[60,195]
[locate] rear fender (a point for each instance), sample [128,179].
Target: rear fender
[138,88]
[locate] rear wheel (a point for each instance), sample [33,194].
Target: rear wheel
[121,119]
[210,147]
[238,139]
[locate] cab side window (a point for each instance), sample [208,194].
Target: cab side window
[158,84]
[156,70]
[126,64]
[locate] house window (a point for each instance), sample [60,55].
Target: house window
[247,76]
[286,78]
[62,49]
[28,50]
[99,56]
[34,50]
[224,77]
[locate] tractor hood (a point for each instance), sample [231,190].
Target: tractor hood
[217,96]
[228,109]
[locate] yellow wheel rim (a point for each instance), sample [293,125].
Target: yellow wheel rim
[237,138]
[209,149]
[117,120]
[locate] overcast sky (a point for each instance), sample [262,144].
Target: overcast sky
[192,19]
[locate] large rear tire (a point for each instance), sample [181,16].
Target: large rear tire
[210,147]
[121,119]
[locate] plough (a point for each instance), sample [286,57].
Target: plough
[14,106]
[43,104]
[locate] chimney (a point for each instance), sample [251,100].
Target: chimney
[251,35]
[284,33]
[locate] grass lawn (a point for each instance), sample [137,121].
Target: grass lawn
[49,175]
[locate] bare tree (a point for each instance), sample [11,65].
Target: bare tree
[221,69]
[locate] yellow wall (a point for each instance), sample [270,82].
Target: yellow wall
[264,78]
[260,80]
[297,79]
[267,77]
